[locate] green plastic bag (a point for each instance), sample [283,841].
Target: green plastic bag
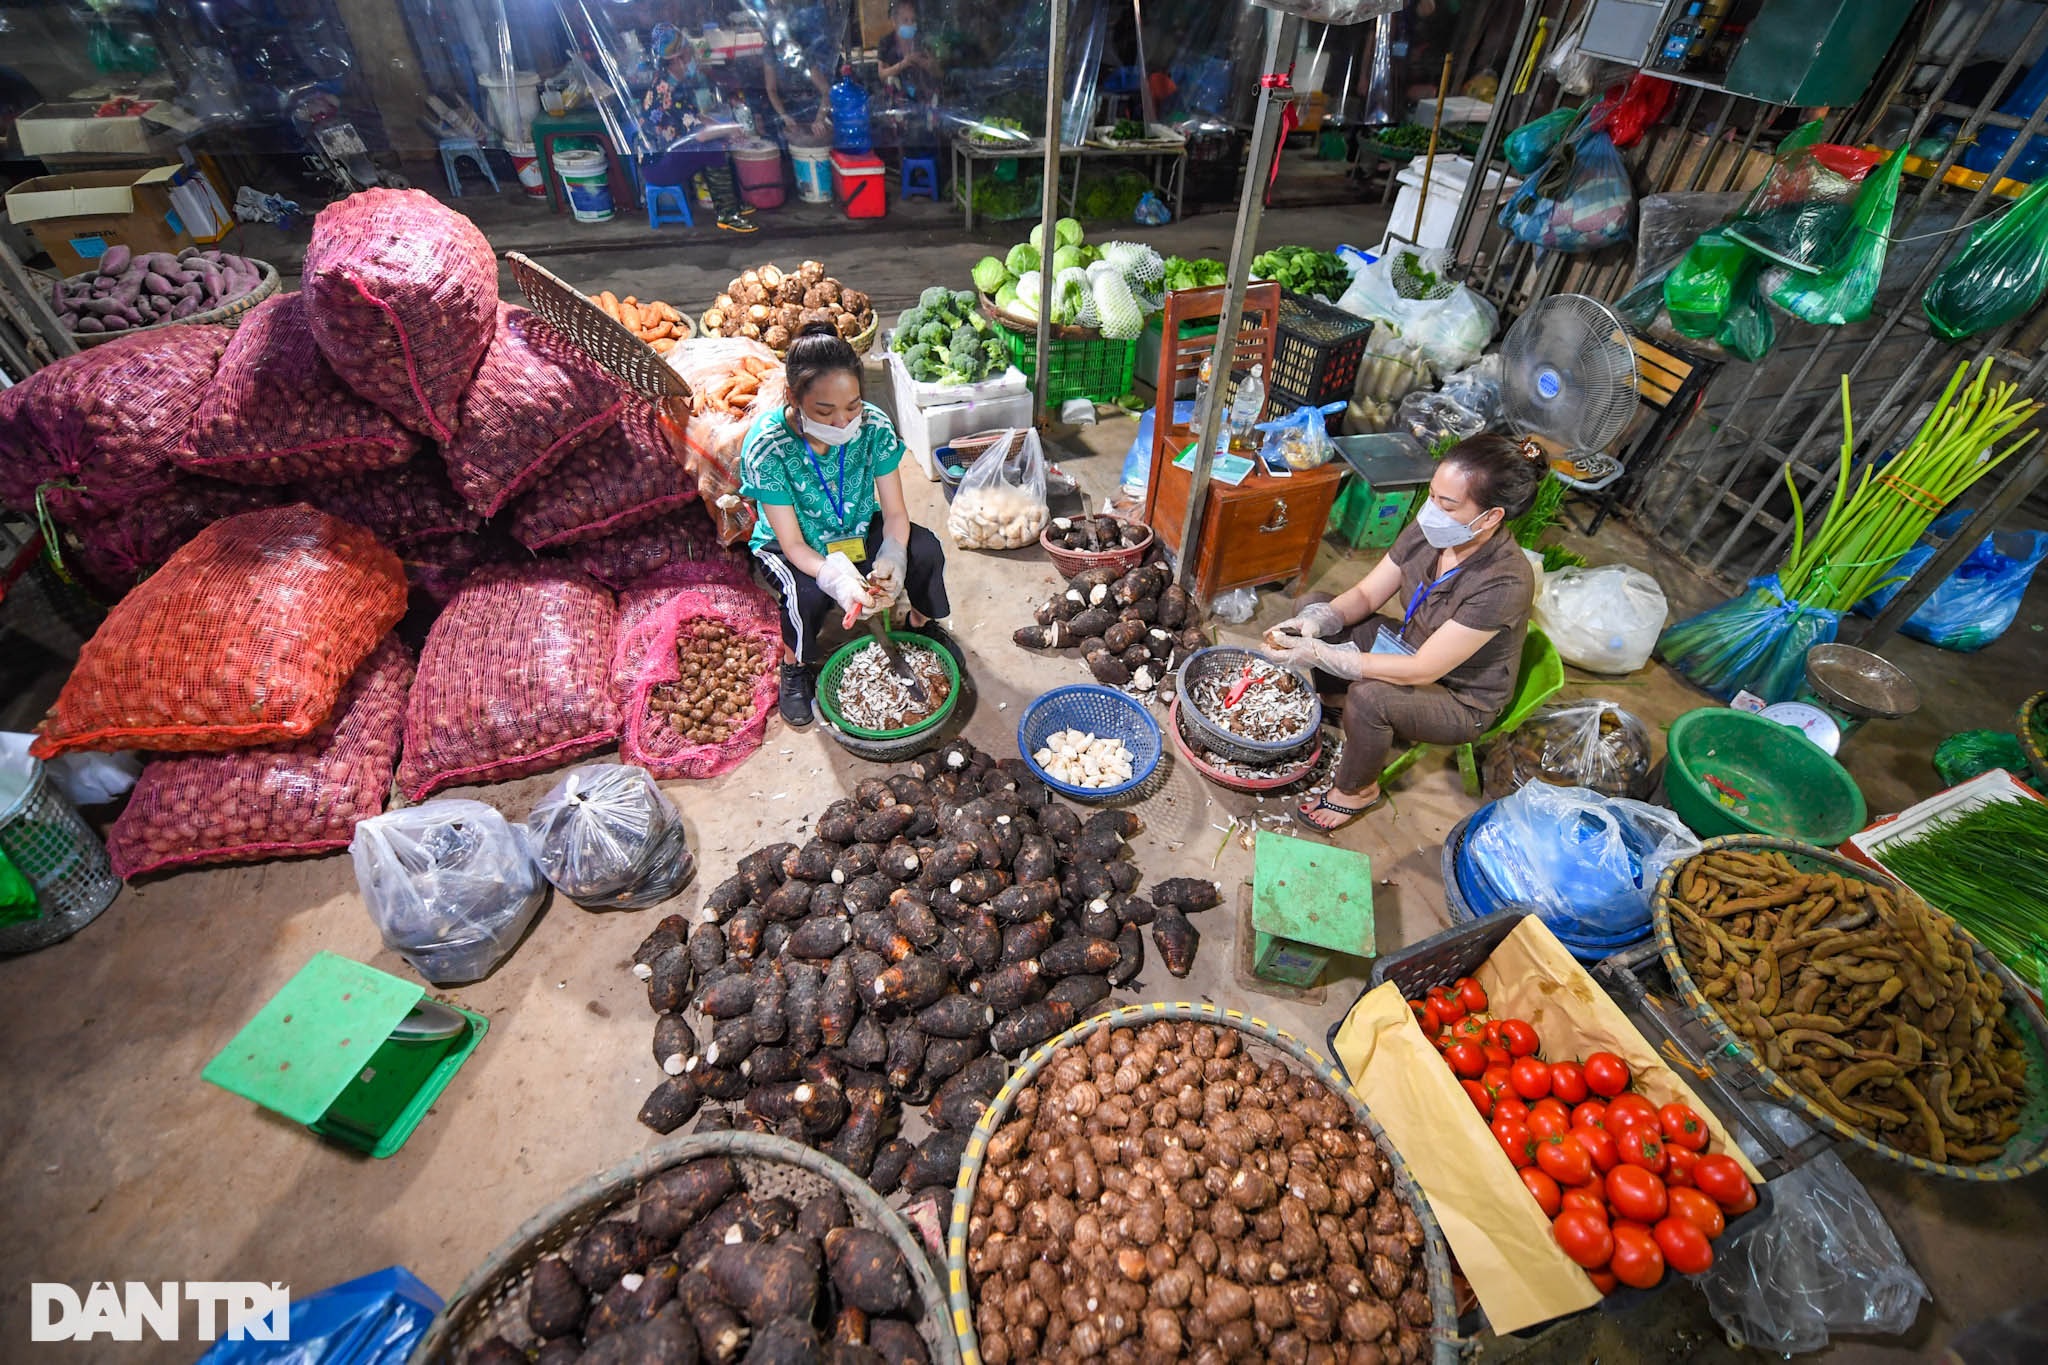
[1746,332]
[1970,753]
[17,897]
[1845,290]
[1998,275]
[1530,145]
[1702,287]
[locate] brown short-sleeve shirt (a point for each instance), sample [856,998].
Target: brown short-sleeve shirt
[1494,590]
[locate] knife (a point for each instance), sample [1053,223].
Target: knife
[878,628]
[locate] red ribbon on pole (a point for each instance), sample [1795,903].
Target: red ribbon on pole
[1290,119]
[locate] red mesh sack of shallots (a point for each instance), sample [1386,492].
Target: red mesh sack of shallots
[535,398]
[680,548]
[116,553]
[625,476]
[275,801]
[657,723]
[277,412]
[95,432]
[514,679]
[406,507]
[402,296]
[245,636]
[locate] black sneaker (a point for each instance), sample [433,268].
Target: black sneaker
[732,222]
[937,634]
[795,703]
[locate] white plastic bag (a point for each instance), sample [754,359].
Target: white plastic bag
[1409,291]
[1605,620]
[449,885]
[606,836]
[85,779]
[1001,501]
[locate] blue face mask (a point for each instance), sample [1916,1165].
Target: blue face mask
[906,31]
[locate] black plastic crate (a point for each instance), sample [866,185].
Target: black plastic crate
[1316,352]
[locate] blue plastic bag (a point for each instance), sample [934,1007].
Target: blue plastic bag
[1300,440]
[1581,200]
[375,1320]
[1138,459]
[1754,643]
[1977,602]
[1586,863]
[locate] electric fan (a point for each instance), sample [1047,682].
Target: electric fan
[1568,381]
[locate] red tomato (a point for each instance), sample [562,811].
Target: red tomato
[1684,1246]
[1568,1082]
[1603,1281]
[1584,1238]
[1591,1114]
[1514,1139]
[1548,1196]
[1641,1147]
[1627,1110]
[1697,1209]
[1495,1079]
[1520,1037]
[1530,1078]
[1496,1055]
[1638,1261]
[1442,1040]
[1471,994]
[1447,1007]
[1564,1160]
[1599,1144]
[1481,1097]
[1678,1164]
[1720,1177]
[1473,1028]
[1682,1127]
[1426,1017]
[1465,1059]
[1506,1103]
[1544,1123]
[1587,1199]
[1556,1109]
[1636,1194]
[1606,1074]
[1493,1033]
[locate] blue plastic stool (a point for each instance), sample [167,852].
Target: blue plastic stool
[680,194]
[456,150]
[925,183]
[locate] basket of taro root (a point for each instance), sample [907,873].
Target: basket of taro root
[1101,541]
[722,1247]
[1174,1182]
[1241,706]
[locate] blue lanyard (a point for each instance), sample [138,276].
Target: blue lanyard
[836,493]
[1421,592]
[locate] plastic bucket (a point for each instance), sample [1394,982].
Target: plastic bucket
[813,173]
[533,181]
[514,102]
[759,168]
[586,180]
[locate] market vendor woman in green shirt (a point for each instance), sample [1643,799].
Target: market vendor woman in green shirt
[832,533]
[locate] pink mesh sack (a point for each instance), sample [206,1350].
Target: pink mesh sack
[274,802]
[405,508]
[402,296]
[116,553]
[680,548]
[95,432]
[535,398]
[648,738]
[625,476]
[277,413]
[514,680]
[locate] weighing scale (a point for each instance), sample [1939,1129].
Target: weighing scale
[355,1054]
[1853,686]
[1309,902]
[1394,468]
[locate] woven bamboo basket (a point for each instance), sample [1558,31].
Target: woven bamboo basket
[1122,560]
[229,314]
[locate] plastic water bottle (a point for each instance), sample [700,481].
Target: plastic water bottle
[849,113]
[1246,408]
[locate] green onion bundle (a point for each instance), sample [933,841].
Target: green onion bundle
[1987,867]
[1863,534]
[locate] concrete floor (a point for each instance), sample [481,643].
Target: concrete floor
[117,1162]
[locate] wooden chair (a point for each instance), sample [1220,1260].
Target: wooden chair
[1670,383]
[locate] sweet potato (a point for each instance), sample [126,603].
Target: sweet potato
[600,1256]
[555,1301]
[721,1334]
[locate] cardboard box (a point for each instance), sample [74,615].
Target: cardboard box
[76,217]
[74,130]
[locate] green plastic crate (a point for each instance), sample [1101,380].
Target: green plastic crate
[1098,369]
[1369,520]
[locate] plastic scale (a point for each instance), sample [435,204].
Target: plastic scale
[1309,902]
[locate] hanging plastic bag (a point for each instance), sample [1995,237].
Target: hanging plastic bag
[1586,863]
[1576,71]
[1755,643]
[1593,744]
[1825,1261]
[1626,117]
[1411,292]
[1605,620]
[1001,502]
[608,838]
[1999,273]
[1797,215]
[375,1320]
[1300,440]
[449,885]
[1528,146]
[1978,601]
[1579,201]
[1846,289]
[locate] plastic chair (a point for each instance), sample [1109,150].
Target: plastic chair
[680,194]
[924,183]
[456,150]
[1537,680]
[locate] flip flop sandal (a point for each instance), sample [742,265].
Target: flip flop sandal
[1321,802]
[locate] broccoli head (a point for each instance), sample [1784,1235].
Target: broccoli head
[935,298]
[908,323]
[936,335]
[922,363]
[996,354]
[964,353]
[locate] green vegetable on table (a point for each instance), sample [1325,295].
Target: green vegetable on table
[1987,867]
[1127,130]
[1303,270]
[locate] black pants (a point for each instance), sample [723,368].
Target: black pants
[806,606]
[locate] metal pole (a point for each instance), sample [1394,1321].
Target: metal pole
[1496,127]
[1049,199]
[1150,110]
[1273,101]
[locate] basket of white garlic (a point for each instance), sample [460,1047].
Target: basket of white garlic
[1089,743]
[1001,503]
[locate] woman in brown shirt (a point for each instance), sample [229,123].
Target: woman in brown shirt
[1443,671]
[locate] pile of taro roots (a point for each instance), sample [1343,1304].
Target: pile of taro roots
[942,921]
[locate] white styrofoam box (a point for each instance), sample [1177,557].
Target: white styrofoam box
[924,429]
[1868,845]
[1457,109]
[1447,182]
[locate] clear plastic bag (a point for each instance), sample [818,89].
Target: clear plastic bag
[1580,201]
[1236,607]
[84,779]
[1753,643]
[608,838]
[1586,863]
[449,885]
[1390,369]
[1409,292]
[1300,440]
[1001,501]
[1432,417]
[1824,1261]
[1476,388]
[1593,744]
[1605,620]
[1999,273]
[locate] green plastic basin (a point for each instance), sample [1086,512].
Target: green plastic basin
[1730,772]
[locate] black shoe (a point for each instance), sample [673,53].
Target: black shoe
[795,703]
[732,222]
[937,634]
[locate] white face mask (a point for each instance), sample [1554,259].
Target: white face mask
[830,435]
[1441,529]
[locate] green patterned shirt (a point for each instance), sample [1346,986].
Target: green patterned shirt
[778,466]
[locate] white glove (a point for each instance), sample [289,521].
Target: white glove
[1316,621]
[1342,660]
[885,584]
[843,584]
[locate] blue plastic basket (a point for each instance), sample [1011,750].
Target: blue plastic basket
[1100,711]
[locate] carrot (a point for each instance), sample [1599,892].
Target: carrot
[609,302]
[664,345]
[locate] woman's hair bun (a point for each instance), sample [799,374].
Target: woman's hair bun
[817,329]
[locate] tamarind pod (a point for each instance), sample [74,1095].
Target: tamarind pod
[1930,1123]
